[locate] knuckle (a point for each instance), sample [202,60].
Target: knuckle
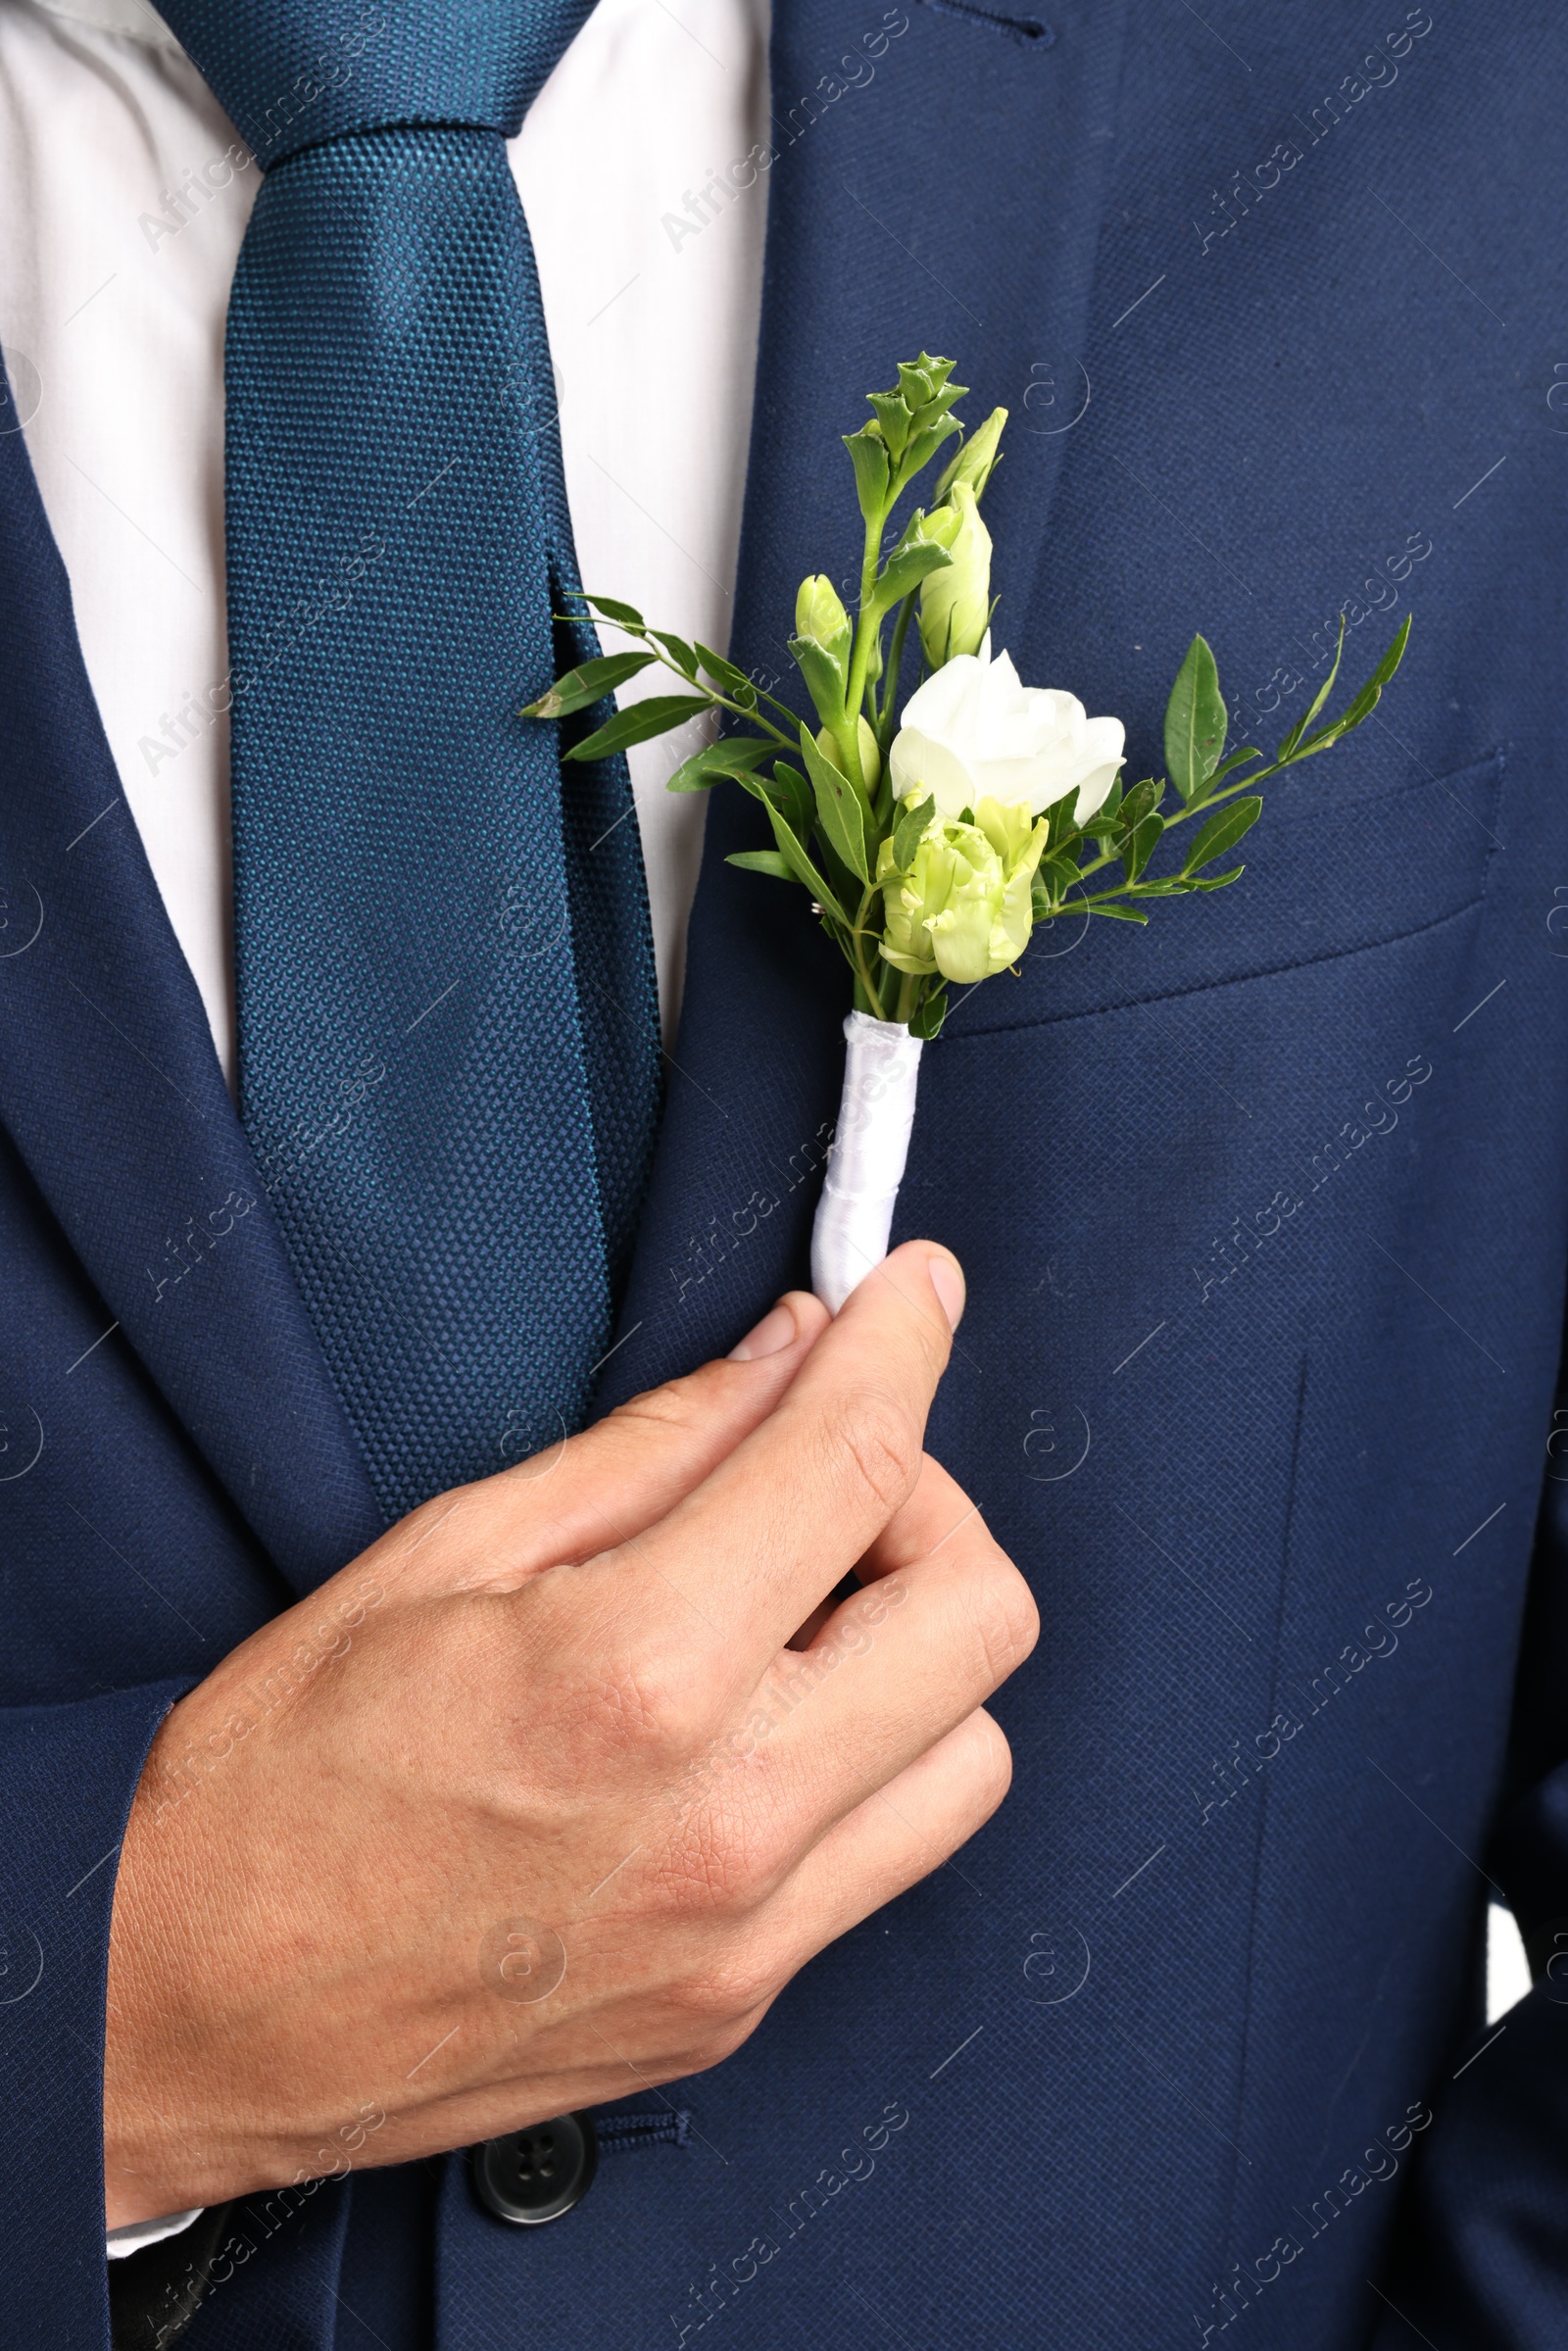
[1005,1618]
[728,1989]
[729,1857]
[675,1405]
[990,1761]
[709,2040]
[647,1705]
[882,1440]
[717,2046]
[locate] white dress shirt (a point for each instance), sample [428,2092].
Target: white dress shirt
[123,196]
[124,192]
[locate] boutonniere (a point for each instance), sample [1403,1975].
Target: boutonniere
[932,838]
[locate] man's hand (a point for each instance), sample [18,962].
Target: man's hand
[532,1805]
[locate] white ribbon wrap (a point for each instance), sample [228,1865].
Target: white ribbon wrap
[865,1166]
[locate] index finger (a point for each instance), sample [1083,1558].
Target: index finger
[779,1522]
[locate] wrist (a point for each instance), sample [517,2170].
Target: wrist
[158,2158]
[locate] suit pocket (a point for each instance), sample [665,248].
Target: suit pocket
[1016,25]
[1323,879]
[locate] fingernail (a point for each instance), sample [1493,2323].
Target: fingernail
[774,1333]
[947,1283]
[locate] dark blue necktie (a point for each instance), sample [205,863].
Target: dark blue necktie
[447,1017]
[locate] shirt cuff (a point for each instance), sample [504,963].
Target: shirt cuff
[122,2242]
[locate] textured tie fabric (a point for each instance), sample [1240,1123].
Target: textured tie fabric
[447,1010]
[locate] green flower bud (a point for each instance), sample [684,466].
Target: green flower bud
[894,419]
[821,616]
[923,384]
[962,906]
[975,459]
[821,644]
[870,756]
[956,602]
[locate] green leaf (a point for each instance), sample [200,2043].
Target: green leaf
[924,446]
[1194,721]
[795,856]
[844,886]
[1118,913]
[1222,832]
[824,680]
[1061,820]
[1140,802]
[680,653]
[1391,661]
[873,470]
[735,682]
[1237,759]
[626,614]
[791,793]
[908,835]
[1366,703]
[1326,736]
[1363,706]
[1101,825]
[1371,693]
[1139,844]
[1217,881]
[926,1019]
[645,719]
[763,860]
[735,755]
[1050,890]
[907,566]
[838,808]
[1287,746]
[588,683]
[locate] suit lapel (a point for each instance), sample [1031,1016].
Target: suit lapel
[112,1091]
[951,200]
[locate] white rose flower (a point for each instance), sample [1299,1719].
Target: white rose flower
[973,732]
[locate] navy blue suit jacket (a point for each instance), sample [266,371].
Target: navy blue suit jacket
[1263,1212]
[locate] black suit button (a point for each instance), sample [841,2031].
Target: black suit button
[538,2174]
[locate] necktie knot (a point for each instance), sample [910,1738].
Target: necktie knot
[294,74]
